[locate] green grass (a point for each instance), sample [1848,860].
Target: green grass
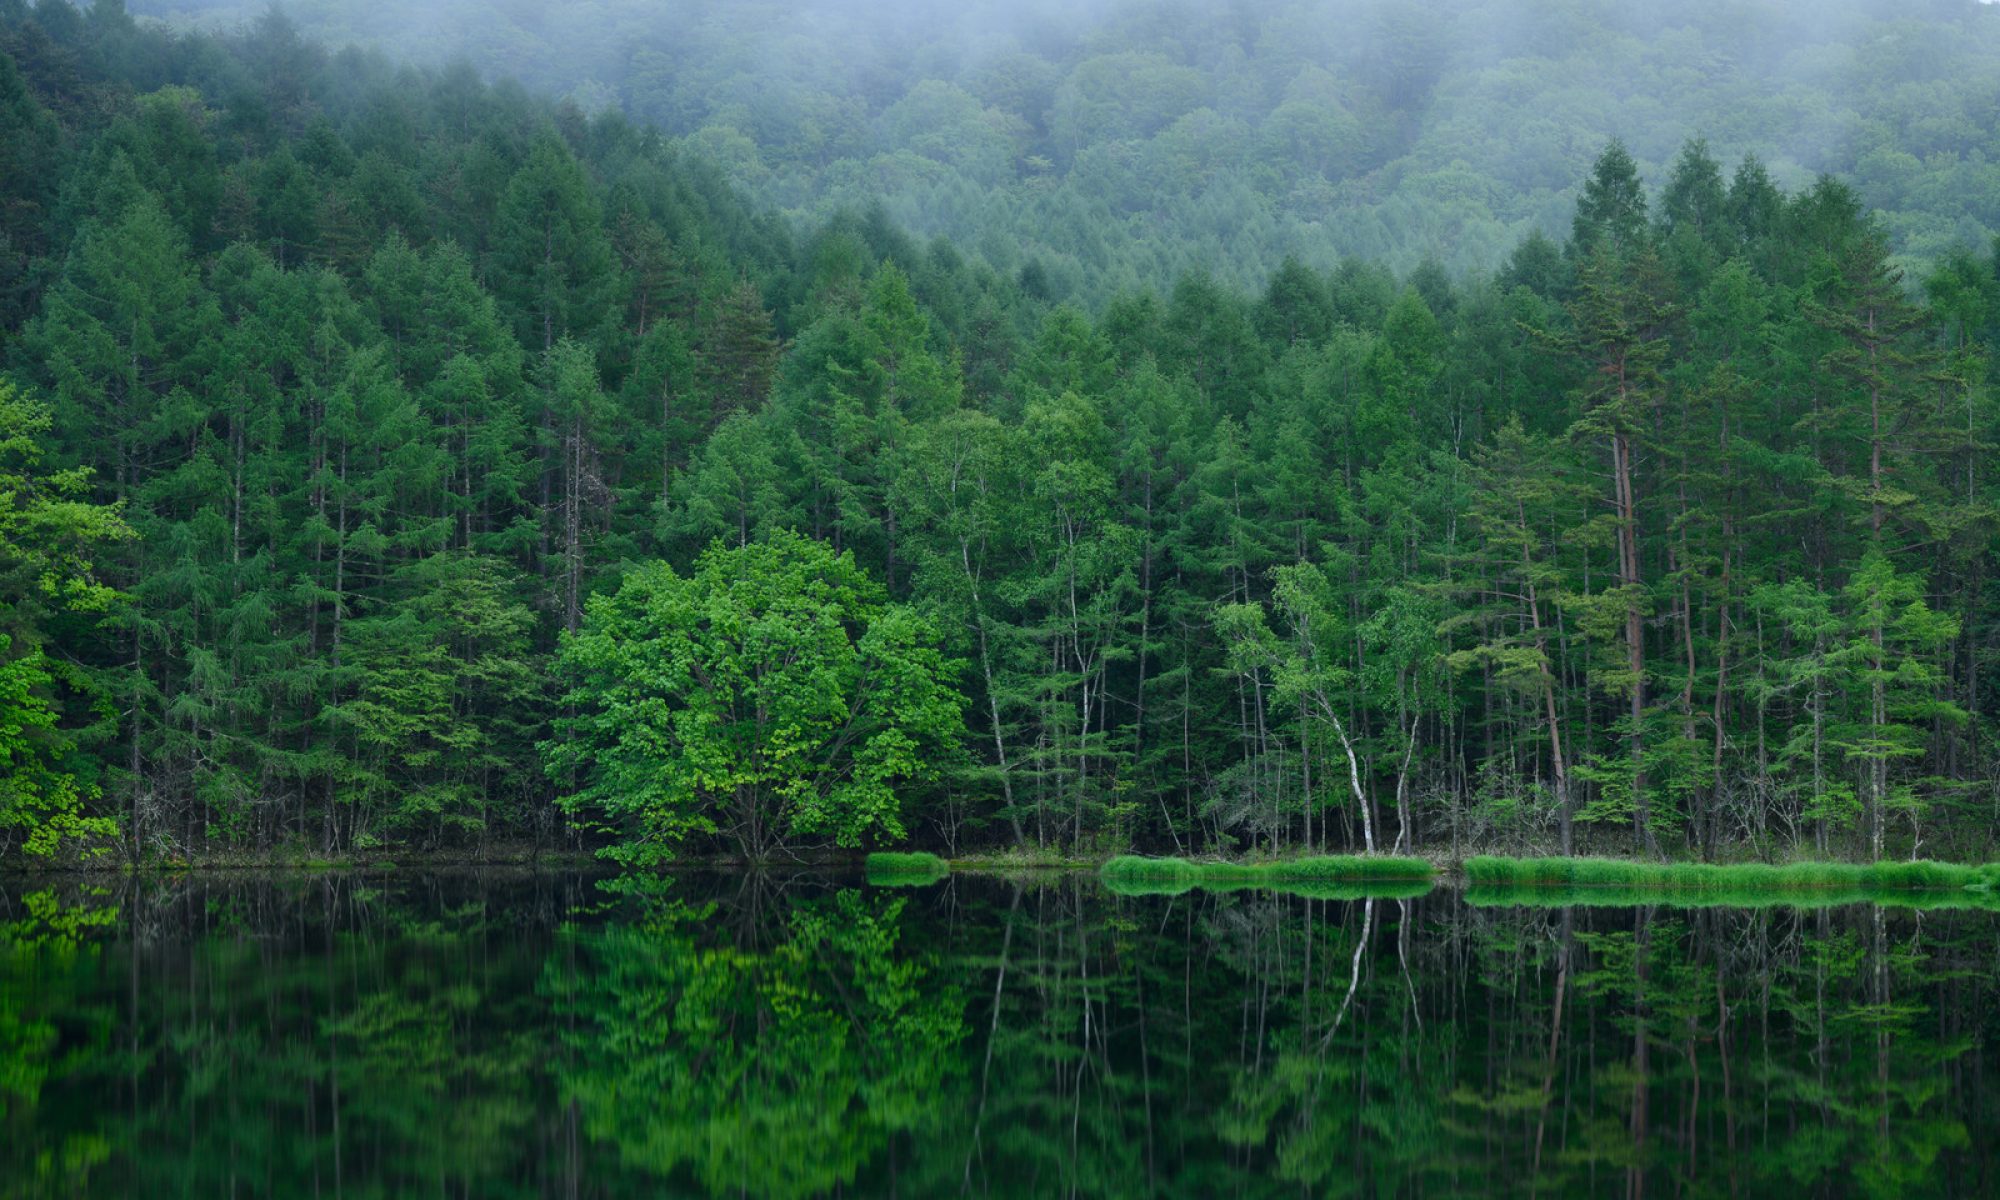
[1023,858]
[1132,875]
[1566,896]
[1328,877]
[1600,881]
[1133,866]
[894,869]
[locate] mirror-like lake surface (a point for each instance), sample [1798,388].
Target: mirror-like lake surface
[515,1034]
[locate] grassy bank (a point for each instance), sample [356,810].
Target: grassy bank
[1568,896]
[1025,858]
[1602,881]
[896,869]
[1329,876]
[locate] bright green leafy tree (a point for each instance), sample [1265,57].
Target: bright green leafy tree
[769,694]
[49,531]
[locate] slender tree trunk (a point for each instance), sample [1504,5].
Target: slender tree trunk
[1353,773]
[1635,1176]
[1878,765]
[340,560]
[1635,651]
[1559,766]
[1404,837]
[999,728]
[573,488]
[1818,703]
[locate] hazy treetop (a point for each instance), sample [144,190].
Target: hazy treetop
[1122,141]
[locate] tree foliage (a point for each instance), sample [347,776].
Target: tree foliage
[770,694]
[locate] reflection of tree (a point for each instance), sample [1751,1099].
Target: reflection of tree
[1877,1102]
[1067,1109]
[1196,1045]
[1040,1038]
[1729,1052]
[46,920]
[1348,1097]
[269,1040]
[777,1070]
[49,1029]
[384,1067]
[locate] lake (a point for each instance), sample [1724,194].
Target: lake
[510,1033]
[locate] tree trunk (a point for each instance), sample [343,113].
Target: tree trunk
[1635,651]
[1353,773]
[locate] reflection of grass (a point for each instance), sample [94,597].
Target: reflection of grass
[1598,881]
[1327,877]
[1330,889]
[892,869]
[1131,875]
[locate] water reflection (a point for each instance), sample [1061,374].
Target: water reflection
[544,1035]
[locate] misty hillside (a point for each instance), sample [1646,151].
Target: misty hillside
[1118,143]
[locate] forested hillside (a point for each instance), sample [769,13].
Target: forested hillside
[385,452]
[1110,145]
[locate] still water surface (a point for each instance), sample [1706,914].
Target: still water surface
[518,1034]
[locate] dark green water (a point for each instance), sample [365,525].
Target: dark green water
[497,1035]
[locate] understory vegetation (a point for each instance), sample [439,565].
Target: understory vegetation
[393,459]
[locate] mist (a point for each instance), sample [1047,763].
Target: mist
[1117,143]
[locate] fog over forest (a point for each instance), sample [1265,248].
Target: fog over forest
[1118,143]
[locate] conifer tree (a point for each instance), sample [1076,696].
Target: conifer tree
[553,256]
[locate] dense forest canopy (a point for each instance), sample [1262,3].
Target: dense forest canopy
[360,417]
[1109,145]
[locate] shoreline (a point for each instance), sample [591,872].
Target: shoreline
[1525,876]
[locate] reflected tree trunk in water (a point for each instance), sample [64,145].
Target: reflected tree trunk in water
[1635,1187]
[992,1034]
[1555,1037]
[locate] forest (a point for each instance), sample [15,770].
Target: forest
[1109,146]
[397,460]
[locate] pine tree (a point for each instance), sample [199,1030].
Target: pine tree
[29,150]
[738,351]
[1611,212]
[1694,233]
[578,415]
[554,260]
[121,339]
[1877,354]
[1621,321]
[1523,487]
